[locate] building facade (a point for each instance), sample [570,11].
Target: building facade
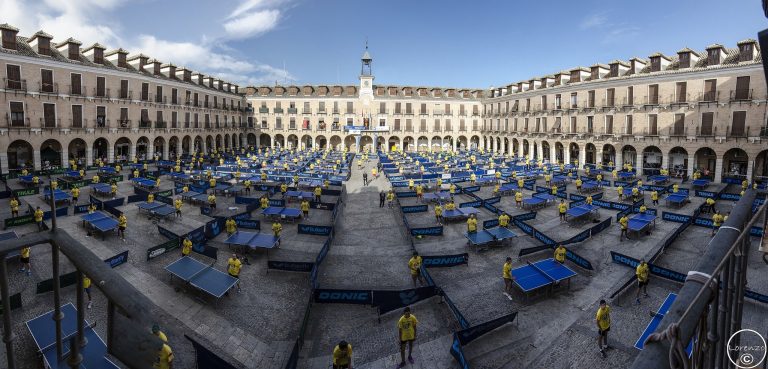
[63,102]
[694,110]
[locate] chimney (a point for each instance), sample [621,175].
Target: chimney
[41,42]
[95,53]
[9,33]
[156,67]
[169,70]
[138,62]
[198,78]
[118,58]
[71,48]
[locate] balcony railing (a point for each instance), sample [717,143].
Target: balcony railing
[145,124]
[681,99]
[125,95]
[737,132]
[104,93]
[16,123]
[306,111]
[146,97]
[48,88]
[124,123]
[292,127]
[263,110]
[349,112]
[743,94]
[101,122]
[423,112]
[161,124]
[50,123]
[13,84]
[277,110]
[161,99]
[335,127]
[409,112]
[382,111]
[764,132]
[321,111]
[292,110]
[78,124]
[335,111]
[651,101]
[608,103]
[437,112]
[678,131]
[77,90]
[709,97]
[278,126]
[264,126]
[706,131]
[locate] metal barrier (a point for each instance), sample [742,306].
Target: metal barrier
[709,306]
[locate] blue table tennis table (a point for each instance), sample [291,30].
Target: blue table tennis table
[589,187]
[656,320]
[103,189]
[437,196]
[299,195]
[534,203]
[488,236]
[26,181]
[310,184]
[700,183]
[100,222]
[58,196]
[540,275]
[640,223]
[252,240]
[677,199]
[43,331]
[460,213]
[508,188]
[144,183]
[201,276]
[156,209]
[107,170]
[580,212]
[627,192]
[281,212]
[10,236]
[658,179]
[221,188]
[484,181]
[626,175]
[73,174]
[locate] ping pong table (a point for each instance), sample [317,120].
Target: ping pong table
[234,190]
[282,213]
[26,181]
[43,331]
[589,187]
[310,184]
[107,170]
[484,181]
[221,188]
[559,180]
[658,179]
[58,196]
[144,183]
[201,276]
[252,240]
[641,223]
[100,222]
[580,212]
[156,209]
[72,174]
[299,195]
[436,196]
[700,183]
[541,274]
[626,175]
[534,203]
[627,192]
[10,236]
[677,199]
[656,320]
[103,189]
[486,237]
[507,189]
[460,213]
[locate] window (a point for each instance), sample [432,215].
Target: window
[655,64]
[610,97]
[710,90]
[322,107]
[713,56]
[17,114]
[49,116]
[653,124]
[630,96]
[409,125]
[144,122]
[76,87]
[590,124]
[678,129]
[575,76]
[101,116]
[462,112]
[574,102]
[681,95]
[527,104]
[101,89]
[174,96]
[186,120]
[742,88]
[739,121]
[437,125]
[544,124]
[525,125]
[74,51]
[205,103]
[447,109]
[196,100]
[591,98]
[556,127]
[98,56]
[278,123]
[335,107]
[159,119]
[398,108]
[382,108]
[558,102]
[77,116]
[159,94]
[382,122]
[14,77]
[614,70]
[609,124]
[9,39]
[538,125]
[46,81]
[350,109]
[423,125]
[628,125]
[124,89]
[306,108]
[409,110]
[423,109]
[124,118]
[145,92]
[745,52]
[174,119]
[397,124]
[573,125]
[653,94]
[462,125]
[685,60]
[350,121]
[706,123]
[544,102]
[264,124]
[197,120]
[292,123]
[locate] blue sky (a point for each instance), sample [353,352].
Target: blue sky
[431,43]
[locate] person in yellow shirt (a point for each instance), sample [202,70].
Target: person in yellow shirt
[643,209]
[150,198]
[305,208]
[35,180]
[277,228]
[560,254]
[342,356]
[547,180]
[744,184]
[87,289]
[710,205]
[506,274]
[588,200]
[95,178]
[264,202]
[39,219]
[615,174]
[518,199]
[75,195]
[498,177]
[263,176]
[375,173]
[91,208]
[521,184]
[503,220]
[472,224]
[578,184]
[24,259]
[230,226]
[54,185]
[247,184]
[635,194]
[157,332]
[414,264]
[113,189]
[642,273]
[135,173]
[14,207]
[472,178]
[717,220]
[283,189]
[420,192]
[390,198]
[212,183]
[562,208]
[212,202]
[406,329]
[599,178]
[186,247]
[410,184]
[655,197]
[439,214]
[620,192]
[164,358]
[675,188]
[178,204]
[603,321]
[82,173]
[554,191]
[318,193]
[234,265]
[623,222]
[122,223]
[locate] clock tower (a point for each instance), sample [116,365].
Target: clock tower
[366,79]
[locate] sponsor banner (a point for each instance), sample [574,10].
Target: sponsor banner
[458,353]
[323,252]
[322,205]
[580,237]
[65,280]
[26,192]
[414,209]
[731,180]
[315,230]
[601,203]
[492,200]
[677,218]
[60,212]
[80,209]
[277,202]
[622,213]
[523,226]
[388,301]
[706,194]
[78,184]
[756,231]
[166,193]
[491,208]
[703,222]
[214,227]
[576,203]
[164,199]
[471,204]
[600,227]
[620,183]
[114,203]
[427,276]
[578,260]
[330,192]
[525,216]
[575,197]
[405,194]
[636,209]
[245,200]
[118,259]
[427,231]
[248,223]
[333,296]
[136,198]
[456,313]
[162,248]
[470,334]
[532,250]
[440,261]
[659,189]
[400,184]
[96,202]
[15,300]
[19,221]
[290,266]
[490,223]
[470,189]
[730,196]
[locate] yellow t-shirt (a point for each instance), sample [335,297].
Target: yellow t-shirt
[562,207]
[211,199]
[212,183]
[25,252]
[414,264]
[654,195]
[503,220]
[283,188]
[14,205]
[407,327]
[560,254]
[342,357]
[150,198]
[506,271]
[518,196]
[187,247]
[438,210]
[75,192]
[277,228]
[318,191]
[162,336]
[122,221]
[177,204]
[717,219]
[264,202]
[231,226]
[472,224]
[234,266]
[305,205]
[86,282]
[642,272]
[38,215]
[165,357]
[603,317]
[623,222]
[620,190]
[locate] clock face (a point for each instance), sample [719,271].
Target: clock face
[365,83]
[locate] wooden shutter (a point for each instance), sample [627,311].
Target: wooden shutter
[739,120]
[76,85]
[100,86]
[14,77]
[77,116]
[49,114]
[742,88]
[707,120]
[680,91]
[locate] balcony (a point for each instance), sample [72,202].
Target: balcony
[161,124]
[103,93]
[737,132]
[651,101]
[77,90]
[608,104]
[264,126]
[306,111]
[292,127]
[292,110]
[278,126]
[124,94]
[744,94]
[277,110]
[679,100]
[335,112]
[161,99]
[706,131]
[423,113]
[677,131]
[102,123]
[321,112]
[48,88]
[382,112]
[16,123]
[145,124]
[50,123]
[409,112]
[78,124]
[264,110]
[16,85]
[335,127]
[708,97]
[764,132]
[321,126]
[307,128]
[124,123]
[437,112]
[628,102]
[146,97]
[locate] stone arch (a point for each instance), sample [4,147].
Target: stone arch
[142,148]
[50,153]
[335,142]
[279,140]
[609,155]
[20,155]
[735,163]
[173,148]
[159,147]
[122,149]
[321,142]
[100,148]
[292,142]
[393,143]
[76,150]
[677,162]
[306,142]
[652,160]
[705,161]
[591,153]
[409,144]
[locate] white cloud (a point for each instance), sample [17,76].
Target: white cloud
[85,20]
[594,21]
[252,24]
